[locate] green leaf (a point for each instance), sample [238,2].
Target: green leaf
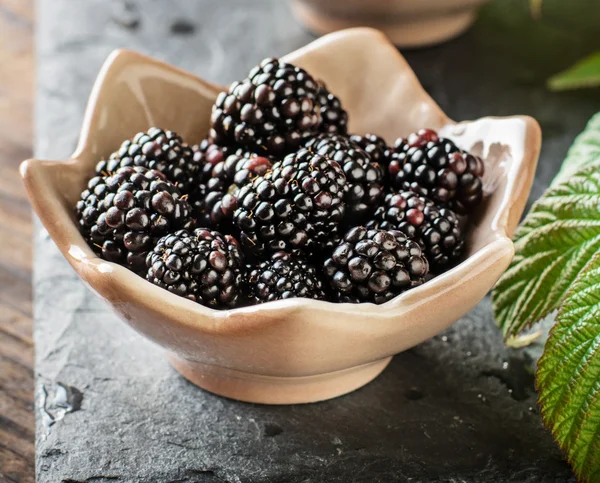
[536,8]
[558,237]
[585,73]
[585,150]
[568,376]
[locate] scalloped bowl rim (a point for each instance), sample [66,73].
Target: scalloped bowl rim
[100,274]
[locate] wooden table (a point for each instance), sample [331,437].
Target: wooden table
[16,345]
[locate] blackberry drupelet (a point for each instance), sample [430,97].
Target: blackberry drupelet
[284,276]
[296,206]
[365,177]
[273,110]
[161,150]
[437,229]
[373,145]
[374,266]
[333,115]
[123,215]
[435,167]
[203,266]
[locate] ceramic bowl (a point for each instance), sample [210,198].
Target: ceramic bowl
[297,350]
[408,23]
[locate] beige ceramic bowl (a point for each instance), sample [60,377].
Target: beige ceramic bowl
[408,23]
[295,350]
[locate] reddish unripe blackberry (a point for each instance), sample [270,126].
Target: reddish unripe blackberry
[437,229]
[296,206]
[123,215]
[203,266]
[275,109]
[374,266]
[161,150]
[284,276]
[334,118]
[373,145]
[435,167]
[364,176]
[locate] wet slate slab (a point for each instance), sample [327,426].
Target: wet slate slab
[460,407]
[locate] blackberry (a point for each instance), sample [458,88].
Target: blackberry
[273,110]
[161,150]
[203,266]
[435,167]
[122,215]
[374,266]
[217,204]
[284,276]
[210,154]
[365,177]
[296,206]
[333,115]
[373,145]
[224,169]
[437,229]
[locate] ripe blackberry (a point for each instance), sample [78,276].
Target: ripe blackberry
[435,167]
[284,276]
[123,215]
[161,150]
[297,205]
[374,266]
[204,266]
[333,115]
[365,177]
[436,229]
[373,145]
[210,154]
[217,204]
[274,109]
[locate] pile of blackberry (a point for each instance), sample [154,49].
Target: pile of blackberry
[280,201]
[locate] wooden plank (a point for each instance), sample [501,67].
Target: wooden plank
[16,323]
[15,292]
[16,385]
[15,468]
[17,350]
[17,452]
[16,436]
[18,245]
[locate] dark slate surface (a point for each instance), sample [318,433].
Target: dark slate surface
[460,407]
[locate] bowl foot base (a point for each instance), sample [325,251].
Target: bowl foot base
[256,388]
[402,31]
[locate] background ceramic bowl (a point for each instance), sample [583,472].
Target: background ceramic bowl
[294,350]
[408,23]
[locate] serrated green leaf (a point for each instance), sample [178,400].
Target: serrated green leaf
[585,150]
[558,237]
[585,73]
[568,376]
